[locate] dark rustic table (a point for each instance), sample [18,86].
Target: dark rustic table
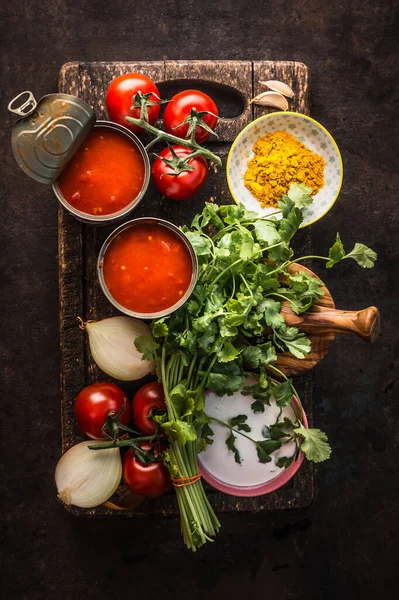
[345,545]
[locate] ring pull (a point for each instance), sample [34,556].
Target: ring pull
[23,105]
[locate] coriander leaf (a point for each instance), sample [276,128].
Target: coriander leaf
[187,340]
[297,343]
[159,328]
[266,232]
[251,356]
[336,252]
[239,422]
[225,378]
[266,432]
[364,256]
[289,225]
[265,447]
[228,352]
[272,313]
[247,243]
[283,393]
[200,242]
[183,402]
[210,215]
[206,434]
[286,204]
[300,194]
[230,443]
[180,431]
[315,443]
[226,330]
[206,341]
[260,355]
[280,253]
[147,346]
[284,462]
[258,406]
[234,213]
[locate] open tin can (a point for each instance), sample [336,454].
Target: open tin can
[136,223]
[49,134]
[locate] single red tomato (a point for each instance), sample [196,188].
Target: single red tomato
[120,98]
[179,108]
[145,480]
[147,398]
[184,184]
[93,404]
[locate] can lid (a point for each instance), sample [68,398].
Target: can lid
[49,133]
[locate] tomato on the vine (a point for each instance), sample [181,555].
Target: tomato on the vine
[93,404]
[148,480]
[179,108]
[120,98]
[147,398]
[182,185]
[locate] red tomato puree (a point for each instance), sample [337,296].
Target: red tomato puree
[105,175]
[147,268]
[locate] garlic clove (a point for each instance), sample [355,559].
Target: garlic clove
[271,99]
[278,86]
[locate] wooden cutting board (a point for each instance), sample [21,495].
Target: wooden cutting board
[232,84]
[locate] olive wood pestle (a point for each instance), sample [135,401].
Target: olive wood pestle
[321,320]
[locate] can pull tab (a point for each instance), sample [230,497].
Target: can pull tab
[23,105]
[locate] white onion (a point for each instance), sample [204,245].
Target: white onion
[112,347]
[87,478]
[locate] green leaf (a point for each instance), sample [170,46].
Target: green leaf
[265,447]
[187,340]
[289,225]
[364,256]
[159,328]
[239,422]
[284,462]
[336,252]
[226,330]
[257,356]
[206,341]
[300,194]
[315,443]
[230,443]
[147,346]
[225,378]
[180,431]
[200,242]
[258,406]
[272,313]
[266,232]
[206,434]
[286,204]
[283,393]
[297,343]
[183,402]
[228,352]
[232,213]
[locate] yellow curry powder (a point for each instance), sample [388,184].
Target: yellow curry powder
[279,160]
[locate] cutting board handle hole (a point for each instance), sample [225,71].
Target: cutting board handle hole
[229,101]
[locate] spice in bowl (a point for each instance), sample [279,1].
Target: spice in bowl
[279,160]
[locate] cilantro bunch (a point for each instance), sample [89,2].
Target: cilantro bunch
[232,327]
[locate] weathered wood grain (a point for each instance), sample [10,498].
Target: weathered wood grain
[79,245]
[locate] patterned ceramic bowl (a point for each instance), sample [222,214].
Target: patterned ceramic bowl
[310,133]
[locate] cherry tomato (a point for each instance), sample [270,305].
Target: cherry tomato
[185,184]
[93,404]
[145,480]
[147,398]
[120,97]
[179,108]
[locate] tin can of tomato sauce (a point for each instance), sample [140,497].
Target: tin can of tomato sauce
[99,171]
